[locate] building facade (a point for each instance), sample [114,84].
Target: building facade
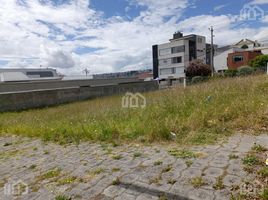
[221,57]
[239,59]
[28,74]
[171,59]
[222,60]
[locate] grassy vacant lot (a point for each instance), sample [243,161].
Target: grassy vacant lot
[199,114]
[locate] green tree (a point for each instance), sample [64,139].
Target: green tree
[259,62]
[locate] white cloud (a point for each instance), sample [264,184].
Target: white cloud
[265,19]
[53,33]
[219,7]
[56,58]
[260,2]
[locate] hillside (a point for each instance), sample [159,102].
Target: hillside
[198,114]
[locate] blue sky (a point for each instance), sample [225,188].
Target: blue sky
[114,35]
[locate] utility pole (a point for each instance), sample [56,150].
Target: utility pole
[86,71]
[212,50]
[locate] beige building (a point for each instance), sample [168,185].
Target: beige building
[171,59]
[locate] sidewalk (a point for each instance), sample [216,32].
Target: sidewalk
[94,171]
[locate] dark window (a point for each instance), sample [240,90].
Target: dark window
[178,49]
[176,60]
[238,58]
[42,74]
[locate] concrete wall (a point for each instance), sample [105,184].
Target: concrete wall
[59,84]
[15,101]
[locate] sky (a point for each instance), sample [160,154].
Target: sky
[107,36]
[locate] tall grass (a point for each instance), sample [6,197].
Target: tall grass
[198,114]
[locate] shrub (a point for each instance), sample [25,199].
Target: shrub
[231,73]
[259,62]
[245,70]
[197,79]
[198,68]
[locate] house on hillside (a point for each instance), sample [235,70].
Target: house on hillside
[239,59]
[221,56]
[247,44]
[224,55]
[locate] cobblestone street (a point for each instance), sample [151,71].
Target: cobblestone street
[102,171]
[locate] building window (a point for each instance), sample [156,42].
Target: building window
[179,70]
[200,40]
[163,52]
[164,62]
[177,49]
[166,71]
[42,74]
[176,60]
[238,58]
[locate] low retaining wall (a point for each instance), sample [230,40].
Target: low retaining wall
[15,101]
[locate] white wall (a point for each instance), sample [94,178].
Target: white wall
[179,66]
[220,60]
[265,51]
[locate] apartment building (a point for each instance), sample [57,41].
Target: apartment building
[171,59]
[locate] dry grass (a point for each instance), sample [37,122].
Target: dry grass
[199,114]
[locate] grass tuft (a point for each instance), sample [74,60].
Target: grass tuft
[159,162]
[264,194]
[184,154]
[116,181]
[233,156]
[219,184]
[250,160]
[137,154]
[258,148]
[197,182]
[189,163]
[263,172]
[117,157]
[62,197]
[97,171]
[67,180]
[50,174]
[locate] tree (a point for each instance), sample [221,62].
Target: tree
[259,62]
[198,68]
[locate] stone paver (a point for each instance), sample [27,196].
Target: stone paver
[94,171]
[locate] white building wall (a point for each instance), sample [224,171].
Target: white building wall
[265,51]
[220,60]
[201,48]
[169,66]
